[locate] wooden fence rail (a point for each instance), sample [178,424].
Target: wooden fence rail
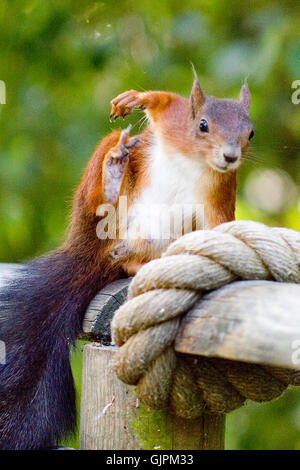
[249,321]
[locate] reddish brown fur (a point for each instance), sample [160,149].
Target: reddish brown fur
[173,120]
[88,196]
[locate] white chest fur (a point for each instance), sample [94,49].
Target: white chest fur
[167,206]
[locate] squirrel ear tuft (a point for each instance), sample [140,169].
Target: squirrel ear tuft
[245,97]
[196,96]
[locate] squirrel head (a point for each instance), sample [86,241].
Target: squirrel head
[221,128]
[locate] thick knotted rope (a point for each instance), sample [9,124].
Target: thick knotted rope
[164,289]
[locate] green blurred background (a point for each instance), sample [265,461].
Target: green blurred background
[63,61]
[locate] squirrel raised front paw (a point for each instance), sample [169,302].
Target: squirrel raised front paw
[124,103]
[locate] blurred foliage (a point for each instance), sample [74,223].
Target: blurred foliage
[63,61]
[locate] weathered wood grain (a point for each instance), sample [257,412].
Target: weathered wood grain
[251,321]
[112,419]
[107,405]
[98,316]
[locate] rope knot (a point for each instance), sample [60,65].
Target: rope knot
[165,289]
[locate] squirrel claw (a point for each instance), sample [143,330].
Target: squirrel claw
[125,134]
[124,103]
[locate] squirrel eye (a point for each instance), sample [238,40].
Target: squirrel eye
[203,125]
[251,134]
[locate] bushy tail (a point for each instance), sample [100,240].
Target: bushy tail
[40,316]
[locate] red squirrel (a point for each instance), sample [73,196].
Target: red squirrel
[188,154]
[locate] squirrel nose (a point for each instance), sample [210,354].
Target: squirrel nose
[231,152]
[230,158]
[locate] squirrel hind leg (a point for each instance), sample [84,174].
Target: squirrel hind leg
[115,164]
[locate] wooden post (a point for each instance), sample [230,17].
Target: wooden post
[112,419]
